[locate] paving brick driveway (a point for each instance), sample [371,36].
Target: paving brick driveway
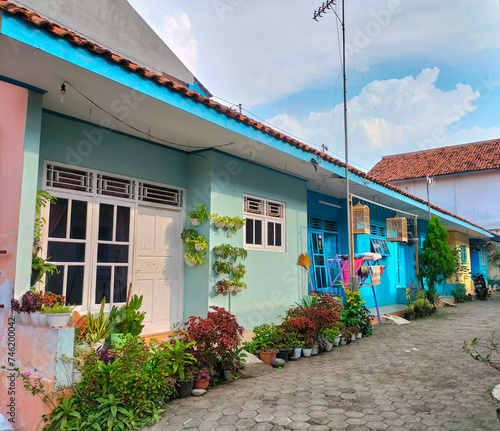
[376,383]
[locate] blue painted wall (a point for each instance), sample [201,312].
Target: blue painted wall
[399,254]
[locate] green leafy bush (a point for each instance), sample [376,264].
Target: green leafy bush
[458,293]
[128,318]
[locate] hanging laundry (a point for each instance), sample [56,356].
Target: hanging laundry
[375,274]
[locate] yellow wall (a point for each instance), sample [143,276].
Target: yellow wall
[457,239]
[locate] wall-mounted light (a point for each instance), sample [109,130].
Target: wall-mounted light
[63,92]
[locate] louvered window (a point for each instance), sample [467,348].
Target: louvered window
[68,178]
[160,195]
[330,226]
[104,184]
[265,225]
[315,223]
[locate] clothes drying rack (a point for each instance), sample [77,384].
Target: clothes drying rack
[341,263]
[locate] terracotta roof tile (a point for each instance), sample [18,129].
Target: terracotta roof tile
[477,156]
[174,84]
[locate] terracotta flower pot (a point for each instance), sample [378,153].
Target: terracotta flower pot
[267,357]
[201,384]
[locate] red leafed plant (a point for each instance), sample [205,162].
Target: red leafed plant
[304,327]
[215,336]
[323,313]
[50,299]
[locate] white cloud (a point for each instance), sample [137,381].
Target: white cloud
[175,30]
[174,27]
[258,52]
[392,116]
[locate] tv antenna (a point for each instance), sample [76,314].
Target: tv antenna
[323,9]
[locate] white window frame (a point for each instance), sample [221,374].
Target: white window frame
[263,215]
[94,199]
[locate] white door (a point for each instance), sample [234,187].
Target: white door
[157,268]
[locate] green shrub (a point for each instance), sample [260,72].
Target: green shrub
[458,293]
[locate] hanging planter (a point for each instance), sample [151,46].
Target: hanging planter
[397,229]
[187,235]
[225,251]
[193,257]
[238,222]
[199,215]
[238,286]
[200,243]
[222,267]
[361,219]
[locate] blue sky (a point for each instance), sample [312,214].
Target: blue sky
[421,73]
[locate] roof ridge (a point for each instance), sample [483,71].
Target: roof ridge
[429,150]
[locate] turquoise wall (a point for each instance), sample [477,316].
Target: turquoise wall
[274,279]
[69,141]
[386,292]
[196,279]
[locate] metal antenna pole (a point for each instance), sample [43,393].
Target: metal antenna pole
[317,14]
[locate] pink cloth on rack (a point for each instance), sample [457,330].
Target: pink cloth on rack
[357,263]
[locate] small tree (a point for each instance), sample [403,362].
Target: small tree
[437,262]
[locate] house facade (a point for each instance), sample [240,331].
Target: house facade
[462,181]
[128,148]
[127,153]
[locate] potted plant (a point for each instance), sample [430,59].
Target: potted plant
[267,340]
[193,257]
[199,215]
[222,267]
[201,379]
[188,234]
[240,252]
[58,315]
[332,335]
[233,362]
[200,243]
[238,286]
[219,221]
[39,266]
[178,354]
[224,251]
[29,308]
[294,340]
[238,222]
[239,271]
[264,340]
[410,312]
[223,286]
[49,299]
[99,327]
[128,320]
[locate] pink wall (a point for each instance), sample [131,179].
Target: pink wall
[13,108]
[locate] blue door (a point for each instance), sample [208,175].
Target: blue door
[322,246]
